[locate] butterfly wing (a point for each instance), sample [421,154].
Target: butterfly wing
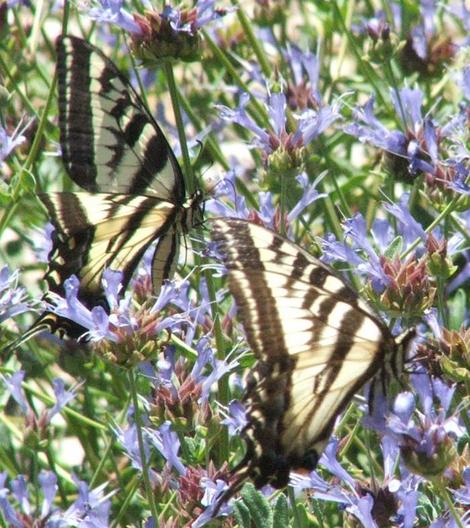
[99,231]
[315,341]
[133,186]
[110,143]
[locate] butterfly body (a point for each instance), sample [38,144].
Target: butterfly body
[315,341]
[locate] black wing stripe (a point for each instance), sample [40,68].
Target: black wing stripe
[347,328]
[155,155]
[265,303]
[68,213]
[298,268]
[165,257]
[75,116]
[135,221]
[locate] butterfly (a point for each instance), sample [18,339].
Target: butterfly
[316,344]
[133,190]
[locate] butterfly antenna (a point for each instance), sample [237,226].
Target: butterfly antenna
[46,322]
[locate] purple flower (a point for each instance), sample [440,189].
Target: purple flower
[241,117]
[269,214]
[13,384]
[113,12]
[361,508]
[310,194]
[408,227]
[236,419]
[12,298]
[407,103]
[212,491]
[6,508]
[63,397]
[124,321]
[129,441]
[190,21]
[461,172]
[112,285]
[370,502]
[92,507]
[48,483]
[417,146]
[90,510]
[168,443]
[338,251]
[70,307]
[358,253]
[8,143]
[425,435]
[206,12]
[300,63]
[226,201]
[42,242]
[311,123]
[221,368]
[368,129]
[462,494]
[205,356]
[330,462]
[173,33]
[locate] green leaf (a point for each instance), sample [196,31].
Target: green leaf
[457,309]
[395,248]
[258,505]
[242,514]
[281,515]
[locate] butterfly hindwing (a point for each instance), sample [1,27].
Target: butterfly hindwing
[316,343]
[99,231]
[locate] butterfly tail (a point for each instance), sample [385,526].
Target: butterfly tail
[47,322]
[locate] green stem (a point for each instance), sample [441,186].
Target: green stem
[212,145]
[343,49]
[262,116]
[140,439]
[447,210]
[282,203]
[189,179]
[253,40]
[366,68]
[134,484]
[448,500]
[297,521]
[224,393]
[60,486]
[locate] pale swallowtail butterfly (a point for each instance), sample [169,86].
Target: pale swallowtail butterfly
[133,188]
[316,344]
